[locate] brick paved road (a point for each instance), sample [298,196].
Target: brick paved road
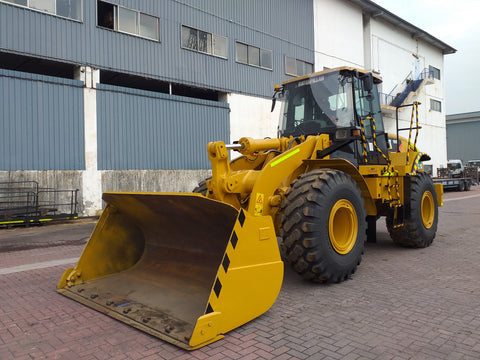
[401,304]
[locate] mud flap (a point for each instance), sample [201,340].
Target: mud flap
[180,267]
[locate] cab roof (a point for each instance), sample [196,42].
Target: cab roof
[377,79]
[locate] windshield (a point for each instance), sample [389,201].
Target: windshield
[368,105]
[318,105]
[321,104]
[453,166]
[324,102]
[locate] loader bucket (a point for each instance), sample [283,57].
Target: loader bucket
[180,267]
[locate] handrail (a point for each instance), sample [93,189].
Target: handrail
[385,99]
[409,76]
[388,99]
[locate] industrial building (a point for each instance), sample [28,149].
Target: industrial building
[124,95]
[462,136]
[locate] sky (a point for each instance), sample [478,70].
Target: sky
[456,23]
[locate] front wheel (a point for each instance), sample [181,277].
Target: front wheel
[421,214]
[323,226]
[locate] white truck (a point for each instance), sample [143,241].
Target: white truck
[456,176]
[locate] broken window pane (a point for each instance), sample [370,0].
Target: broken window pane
[105,15]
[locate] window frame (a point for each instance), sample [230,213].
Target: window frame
[157,30]
[435,105]
[261,51]
[80,20]
[297,63]
[210,41]
[117,21]
[434,71]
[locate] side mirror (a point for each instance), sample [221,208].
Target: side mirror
[367,81]
[274,101]
[276,91]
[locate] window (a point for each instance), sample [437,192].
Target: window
[297,67]
[43,5]
[435,105]
[266,59]
[204,42]
[71,9]
[254,56]
[434,72]
[148,26]
[241,53]
[18,2]
[129,21]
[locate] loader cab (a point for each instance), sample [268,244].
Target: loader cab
[334,102]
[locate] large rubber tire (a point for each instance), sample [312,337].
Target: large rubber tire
[323,226]
[202,187]
[421,214]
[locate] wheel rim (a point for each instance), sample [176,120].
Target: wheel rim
[343,226]
[427,209]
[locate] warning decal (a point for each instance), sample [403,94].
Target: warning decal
[259,204]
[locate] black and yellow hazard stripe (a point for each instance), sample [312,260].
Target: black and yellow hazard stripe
[415,105]
[222,272]
[375,146]
[414,116]
[417,164]
[364,141]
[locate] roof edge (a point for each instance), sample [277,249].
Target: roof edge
[375,10]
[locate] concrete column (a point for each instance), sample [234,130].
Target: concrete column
[92,180]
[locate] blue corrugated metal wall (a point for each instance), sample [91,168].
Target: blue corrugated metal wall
[141,130]
[283,26]
[41,122]
[462,140]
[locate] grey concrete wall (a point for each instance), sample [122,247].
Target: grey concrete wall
[112,180]
[54,179]
[152,180]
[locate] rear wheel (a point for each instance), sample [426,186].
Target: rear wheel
[323,226]
[421,214]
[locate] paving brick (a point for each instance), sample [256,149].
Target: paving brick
[231,354]
[297,354]
[401,304]
[285,357]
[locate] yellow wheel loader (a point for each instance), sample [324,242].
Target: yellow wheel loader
[188,268]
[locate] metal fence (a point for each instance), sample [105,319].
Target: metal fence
[24,202]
